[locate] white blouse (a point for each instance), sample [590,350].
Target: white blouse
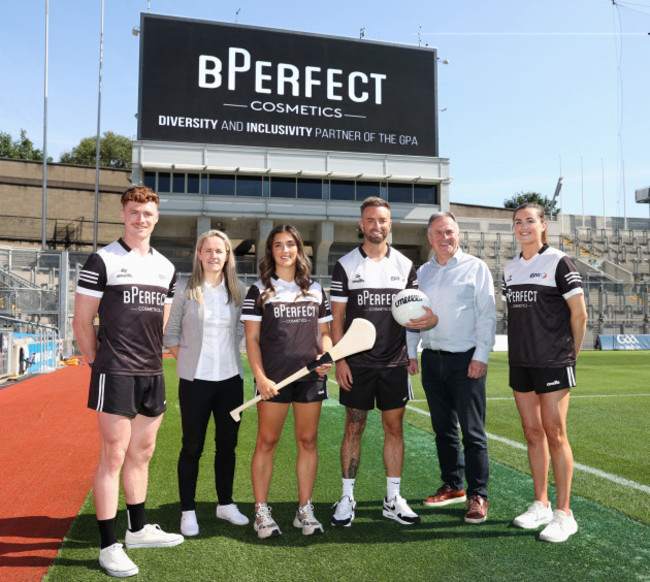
[217,360]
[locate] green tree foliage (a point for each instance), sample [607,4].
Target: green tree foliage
[114,151]
[19,149]
[516,200]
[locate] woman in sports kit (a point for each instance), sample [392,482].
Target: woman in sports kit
[203,333]
[546,326]
[286,316]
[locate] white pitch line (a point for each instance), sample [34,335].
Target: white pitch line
[586,468]
[580,466]
[572,397]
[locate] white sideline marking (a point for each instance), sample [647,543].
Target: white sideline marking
[580,466]
[586,468]
[572,396]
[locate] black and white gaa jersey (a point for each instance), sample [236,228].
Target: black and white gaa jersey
[539,325]
[289,334]
[368,287]
[133,291]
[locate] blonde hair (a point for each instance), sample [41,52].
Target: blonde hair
[197,278]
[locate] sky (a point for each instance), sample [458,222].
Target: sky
[533,89]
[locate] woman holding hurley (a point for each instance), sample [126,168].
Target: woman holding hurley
[546,326]
[286,316]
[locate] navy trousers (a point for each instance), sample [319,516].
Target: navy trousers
[454,399]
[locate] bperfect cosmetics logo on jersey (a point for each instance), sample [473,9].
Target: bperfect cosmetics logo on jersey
[378,301]
[520,298]
[210,82]
[143,298]
[300,310]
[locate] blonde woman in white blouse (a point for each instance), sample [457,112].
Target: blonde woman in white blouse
[203,333]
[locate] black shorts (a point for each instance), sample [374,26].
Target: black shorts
[310,391]
[542,380]
[127,395]
[390,386]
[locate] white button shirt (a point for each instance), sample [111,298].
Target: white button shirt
[216,362]
[462,296]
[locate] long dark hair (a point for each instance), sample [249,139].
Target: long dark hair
[541,214]
[267,264]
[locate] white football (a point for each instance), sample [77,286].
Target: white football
[407,304]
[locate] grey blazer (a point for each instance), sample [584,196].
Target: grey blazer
[185,330]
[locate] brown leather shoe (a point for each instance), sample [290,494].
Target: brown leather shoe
[445,496]
[476,509]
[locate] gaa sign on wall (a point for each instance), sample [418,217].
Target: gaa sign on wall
[205,82]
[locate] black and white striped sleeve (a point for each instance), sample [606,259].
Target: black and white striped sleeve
[92,277]
[567,278]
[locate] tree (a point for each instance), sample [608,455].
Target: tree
[19,149]
[516,200]
[114,151]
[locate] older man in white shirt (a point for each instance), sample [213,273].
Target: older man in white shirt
[457,337]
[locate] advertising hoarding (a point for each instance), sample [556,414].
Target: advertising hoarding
[215,83]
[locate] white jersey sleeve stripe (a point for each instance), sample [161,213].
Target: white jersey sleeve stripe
[91,292]
[572,292]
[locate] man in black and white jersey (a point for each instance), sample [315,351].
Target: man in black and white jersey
[363,285]
[130,286]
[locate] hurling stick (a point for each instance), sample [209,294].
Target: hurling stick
[360,336]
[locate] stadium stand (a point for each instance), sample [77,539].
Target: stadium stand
[37,286]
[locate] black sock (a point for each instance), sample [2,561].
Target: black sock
[107,532]
[136,516]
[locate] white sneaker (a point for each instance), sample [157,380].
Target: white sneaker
[398,509]
[151,536]
[116,563]
[264,524]
[305,519]
[537,514]
[232,514]
[189,525]
[561,527]
[343,512]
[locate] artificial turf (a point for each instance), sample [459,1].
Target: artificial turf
[609,546]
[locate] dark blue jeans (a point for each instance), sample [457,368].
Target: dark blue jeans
[199,399]
[456,399]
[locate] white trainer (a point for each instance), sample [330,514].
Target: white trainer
[189,525]
[561,527]
[343,512]
[232,514]
[537,514]
[151,536]
[116,563]
[397,509]
[264,524]
[305,519]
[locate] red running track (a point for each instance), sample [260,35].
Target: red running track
[49,447]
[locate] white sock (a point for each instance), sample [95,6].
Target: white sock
[348,488]
[392,486]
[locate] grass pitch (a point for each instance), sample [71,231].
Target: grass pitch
[608,430]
